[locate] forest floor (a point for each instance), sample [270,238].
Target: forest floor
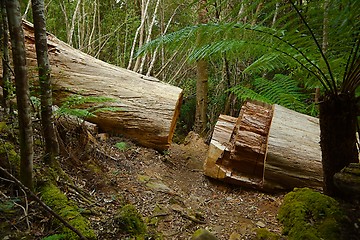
[171,191]
[168,189]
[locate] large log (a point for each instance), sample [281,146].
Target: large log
[267,147]
[148,107]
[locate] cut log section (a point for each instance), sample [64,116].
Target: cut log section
[147,108]
[267,147]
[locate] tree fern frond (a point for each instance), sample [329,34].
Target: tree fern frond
[245,93]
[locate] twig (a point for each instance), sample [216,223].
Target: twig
[47,208]
[25,209]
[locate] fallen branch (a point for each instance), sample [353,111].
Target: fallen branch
[47,208]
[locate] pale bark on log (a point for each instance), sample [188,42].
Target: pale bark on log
[267,147]
[149,107]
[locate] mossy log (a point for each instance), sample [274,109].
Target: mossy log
[147,108]
[267,147]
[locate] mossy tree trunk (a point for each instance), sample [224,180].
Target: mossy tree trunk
[5,54]
[48,128]
[22,92]
[338,137]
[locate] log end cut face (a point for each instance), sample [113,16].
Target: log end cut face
[267,147]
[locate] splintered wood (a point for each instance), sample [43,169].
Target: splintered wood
[267,147]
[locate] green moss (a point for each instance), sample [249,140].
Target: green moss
[2,126]
[307,214]
[9,155]
[56,200]
[130,221]
[264,234]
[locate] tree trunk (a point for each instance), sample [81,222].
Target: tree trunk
[51,143]
[267,147]
[201,81]
[338,137]
[147,109]
[22,92]
[5,61]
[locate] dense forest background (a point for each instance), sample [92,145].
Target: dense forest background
[114,31]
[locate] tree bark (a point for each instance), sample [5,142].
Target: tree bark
[147,109]
[5,61]
[202,80]
[22,92]
[338,123]
[48,128]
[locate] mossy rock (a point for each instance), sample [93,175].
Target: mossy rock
[310,215]
[203,234]
[264,234]
[68,210]
[130,221]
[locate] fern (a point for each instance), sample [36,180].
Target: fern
[69,107]
[281,90]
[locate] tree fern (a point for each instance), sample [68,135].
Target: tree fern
[281,90]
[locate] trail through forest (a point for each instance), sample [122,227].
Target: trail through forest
[170,190]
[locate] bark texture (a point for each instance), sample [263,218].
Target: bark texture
[48,128]
[147,108]
[22,92]
[5,84]
[202,79]
[267,147]
[338,137]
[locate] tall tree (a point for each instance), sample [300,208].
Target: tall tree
[22,92]
[5,59]
[48,128]
[202,78]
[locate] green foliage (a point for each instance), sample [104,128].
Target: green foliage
[69,107]
[122,146]
[307,214]
[130,221]
[56,200]
[281,90]
[55,237]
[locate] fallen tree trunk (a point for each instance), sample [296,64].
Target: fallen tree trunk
[267,147]
[147,109]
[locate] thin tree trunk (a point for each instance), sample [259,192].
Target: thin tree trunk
[157,48]
[22,92]
[275,14]
[136,35]
[338,137]
[90,48]
[48,128]
[325,27]
[72,27]
[144,12]
[202,80]
[148,37]
[5,61]
[27,9]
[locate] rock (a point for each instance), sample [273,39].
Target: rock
[235,236]
[348,180]
[203,234]
[260,224]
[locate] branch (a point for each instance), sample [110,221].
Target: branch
[47,208]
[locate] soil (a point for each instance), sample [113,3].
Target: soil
[171,191]
[168,189]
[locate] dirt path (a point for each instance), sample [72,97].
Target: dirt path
[171,191]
